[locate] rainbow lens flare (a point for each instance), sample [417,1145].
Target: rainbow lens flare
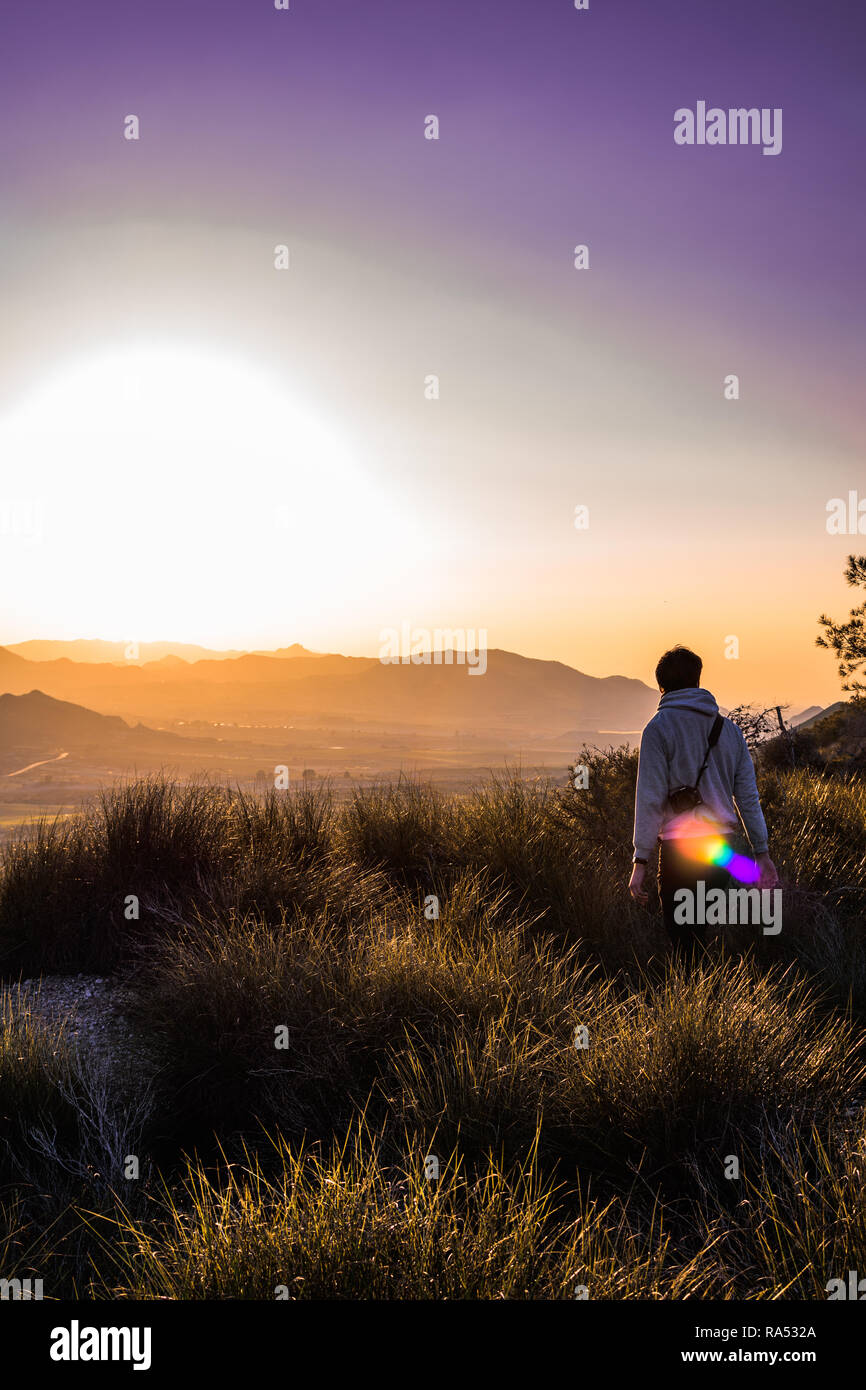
[716,851]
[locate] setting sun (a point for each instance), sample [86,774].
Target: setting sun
[175,490]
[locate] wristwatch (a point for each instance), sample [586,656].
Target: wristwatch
[639,861]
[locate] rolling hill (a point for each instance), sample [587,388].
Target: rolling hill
[41,723]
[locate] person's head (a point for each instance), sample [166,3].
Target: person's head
[678,669]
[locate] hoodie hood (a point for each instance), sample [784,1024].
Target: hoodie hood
[695,698]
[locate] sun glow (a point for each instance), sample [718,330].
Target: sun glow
[176,491]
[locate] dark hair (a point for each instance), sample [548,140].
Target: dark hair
[678,669]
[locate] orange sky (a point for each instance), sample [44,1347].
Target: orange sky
[182,494]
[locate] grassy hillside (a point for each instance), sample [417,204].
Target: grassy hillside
[337,992]
[834,742]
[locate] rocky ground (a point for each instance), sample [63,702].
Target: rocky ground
[97,1023]
[110,1087]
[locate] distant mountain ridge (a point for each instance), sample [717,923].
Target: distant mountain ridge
[39,720]
[815,714]
[515,693]
[95,651]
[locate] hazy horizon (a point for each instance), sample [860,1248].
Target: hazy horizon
[232,652]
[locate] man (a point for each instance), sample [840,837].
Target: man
[673,748]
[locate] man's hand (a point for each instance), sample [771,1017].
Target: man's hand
[635,884]
[769,878]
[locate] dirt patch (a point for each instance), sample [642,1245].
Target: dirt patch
[97,1023]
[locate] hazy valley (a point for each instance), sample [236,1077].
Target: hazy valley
[75,716]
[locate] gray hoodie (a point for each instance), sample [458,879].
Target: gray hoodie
[671,752]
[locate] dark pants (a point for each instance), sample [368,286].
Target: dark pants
[680,870]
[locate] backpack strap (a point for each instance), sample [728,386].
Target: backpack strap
[713,739]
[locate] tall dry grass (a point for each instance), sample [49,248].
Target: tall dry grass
[337,990]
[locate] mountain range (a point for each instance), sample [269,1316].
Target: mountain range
[518,695]
[118,653]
